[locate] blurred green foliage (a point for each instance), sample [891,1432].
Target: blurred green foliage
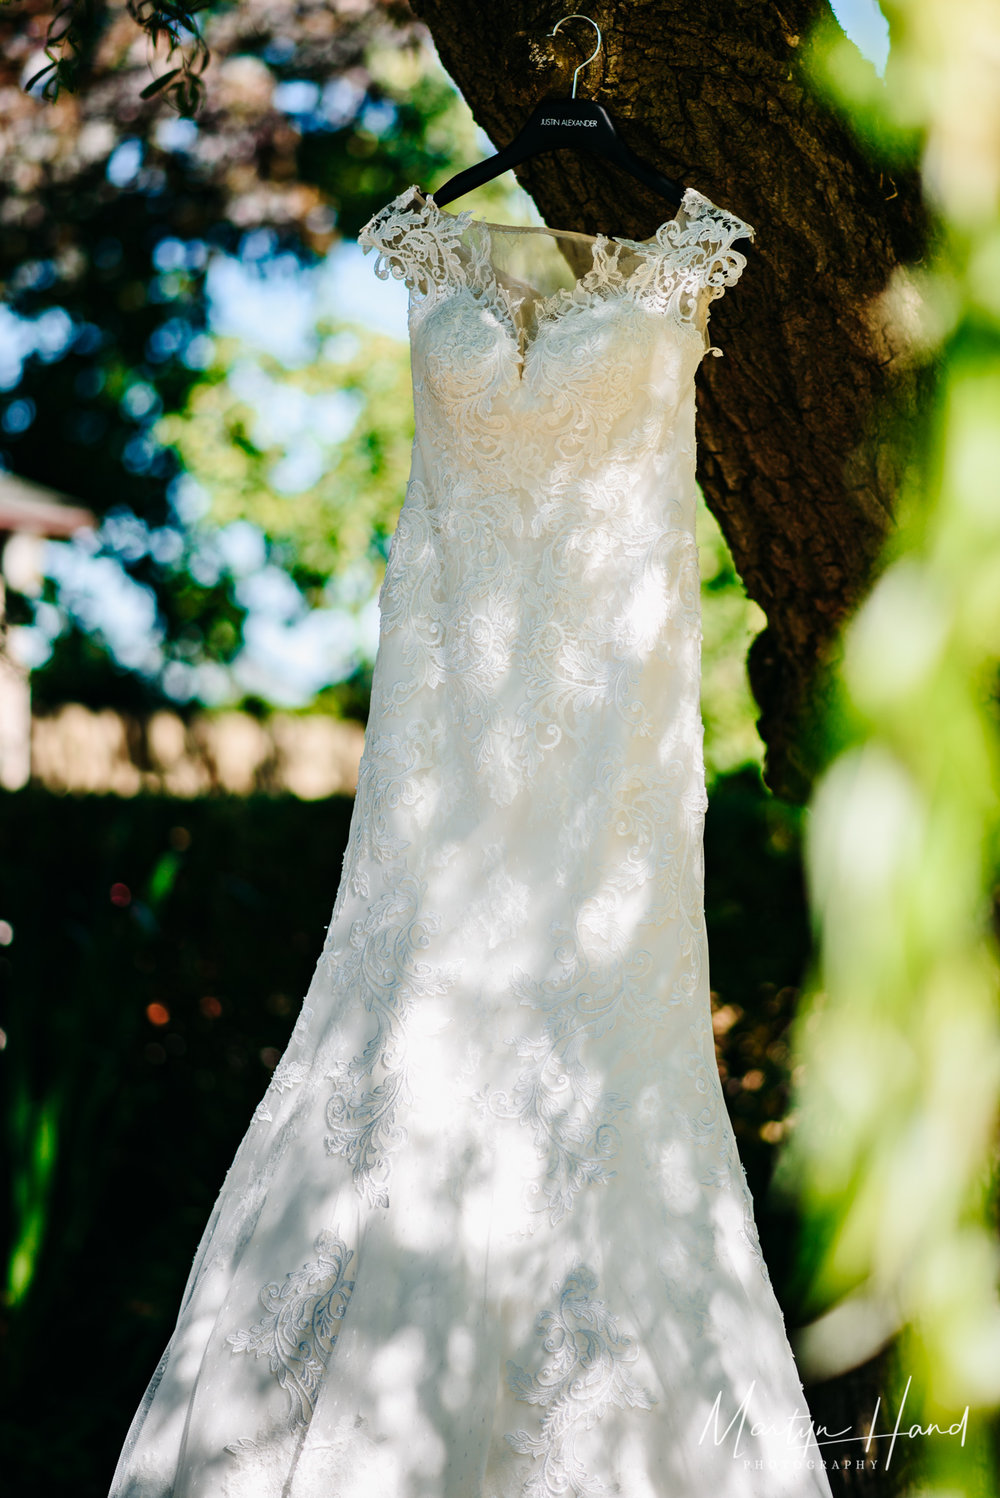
[730,620]
[895,1146]
[347,516]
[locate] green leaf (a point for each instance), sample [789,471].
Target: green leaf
[159,83]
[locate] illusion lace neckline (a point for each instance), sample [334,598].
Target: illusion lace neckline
[690,200]
[688,258]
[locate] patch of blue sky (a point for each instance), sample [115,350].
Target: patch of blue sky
[175,134]
[288,662]
[271,592]
[285,414]
[242,547]
[267,305]
[189,500]
[351,291]
[300,468]
[125,162]
[207,682]
[48,335]
[274,305]
[867,28]
[87,583]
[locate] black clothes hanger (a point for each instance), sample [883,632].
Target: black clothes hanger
[558,125]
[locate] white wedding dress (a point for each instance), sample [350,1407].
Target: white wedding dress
[488,1234]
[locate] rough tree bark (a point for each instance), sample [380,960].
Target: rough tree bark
[789,455]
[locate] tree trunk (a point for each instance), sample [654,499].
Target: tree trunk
[790,460]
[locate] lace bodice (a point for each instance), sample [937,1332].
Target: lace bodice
[488,1234]
[592,370]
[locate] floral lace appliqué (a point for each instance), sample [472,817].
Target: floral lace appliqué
[301,1323]
[586,1372]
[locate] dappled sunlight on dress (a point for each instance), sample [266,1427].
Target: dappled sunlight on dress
[488,1233]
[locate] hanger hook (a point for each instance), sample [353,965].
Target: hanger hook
[600,43]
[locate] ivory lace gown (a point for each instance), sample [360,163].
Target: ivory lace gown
[488,1234]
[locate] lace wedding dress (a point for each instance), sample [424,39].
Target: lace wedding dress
[488,1233]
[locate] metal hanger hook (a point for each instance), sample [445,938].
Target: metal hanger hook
[600,42]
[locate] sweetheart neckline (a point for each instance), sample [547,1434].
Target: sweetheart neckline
[585,302]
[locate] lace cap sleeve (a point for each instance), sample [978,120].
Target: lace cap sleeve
[414,243]
[691,260]
[704,236]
